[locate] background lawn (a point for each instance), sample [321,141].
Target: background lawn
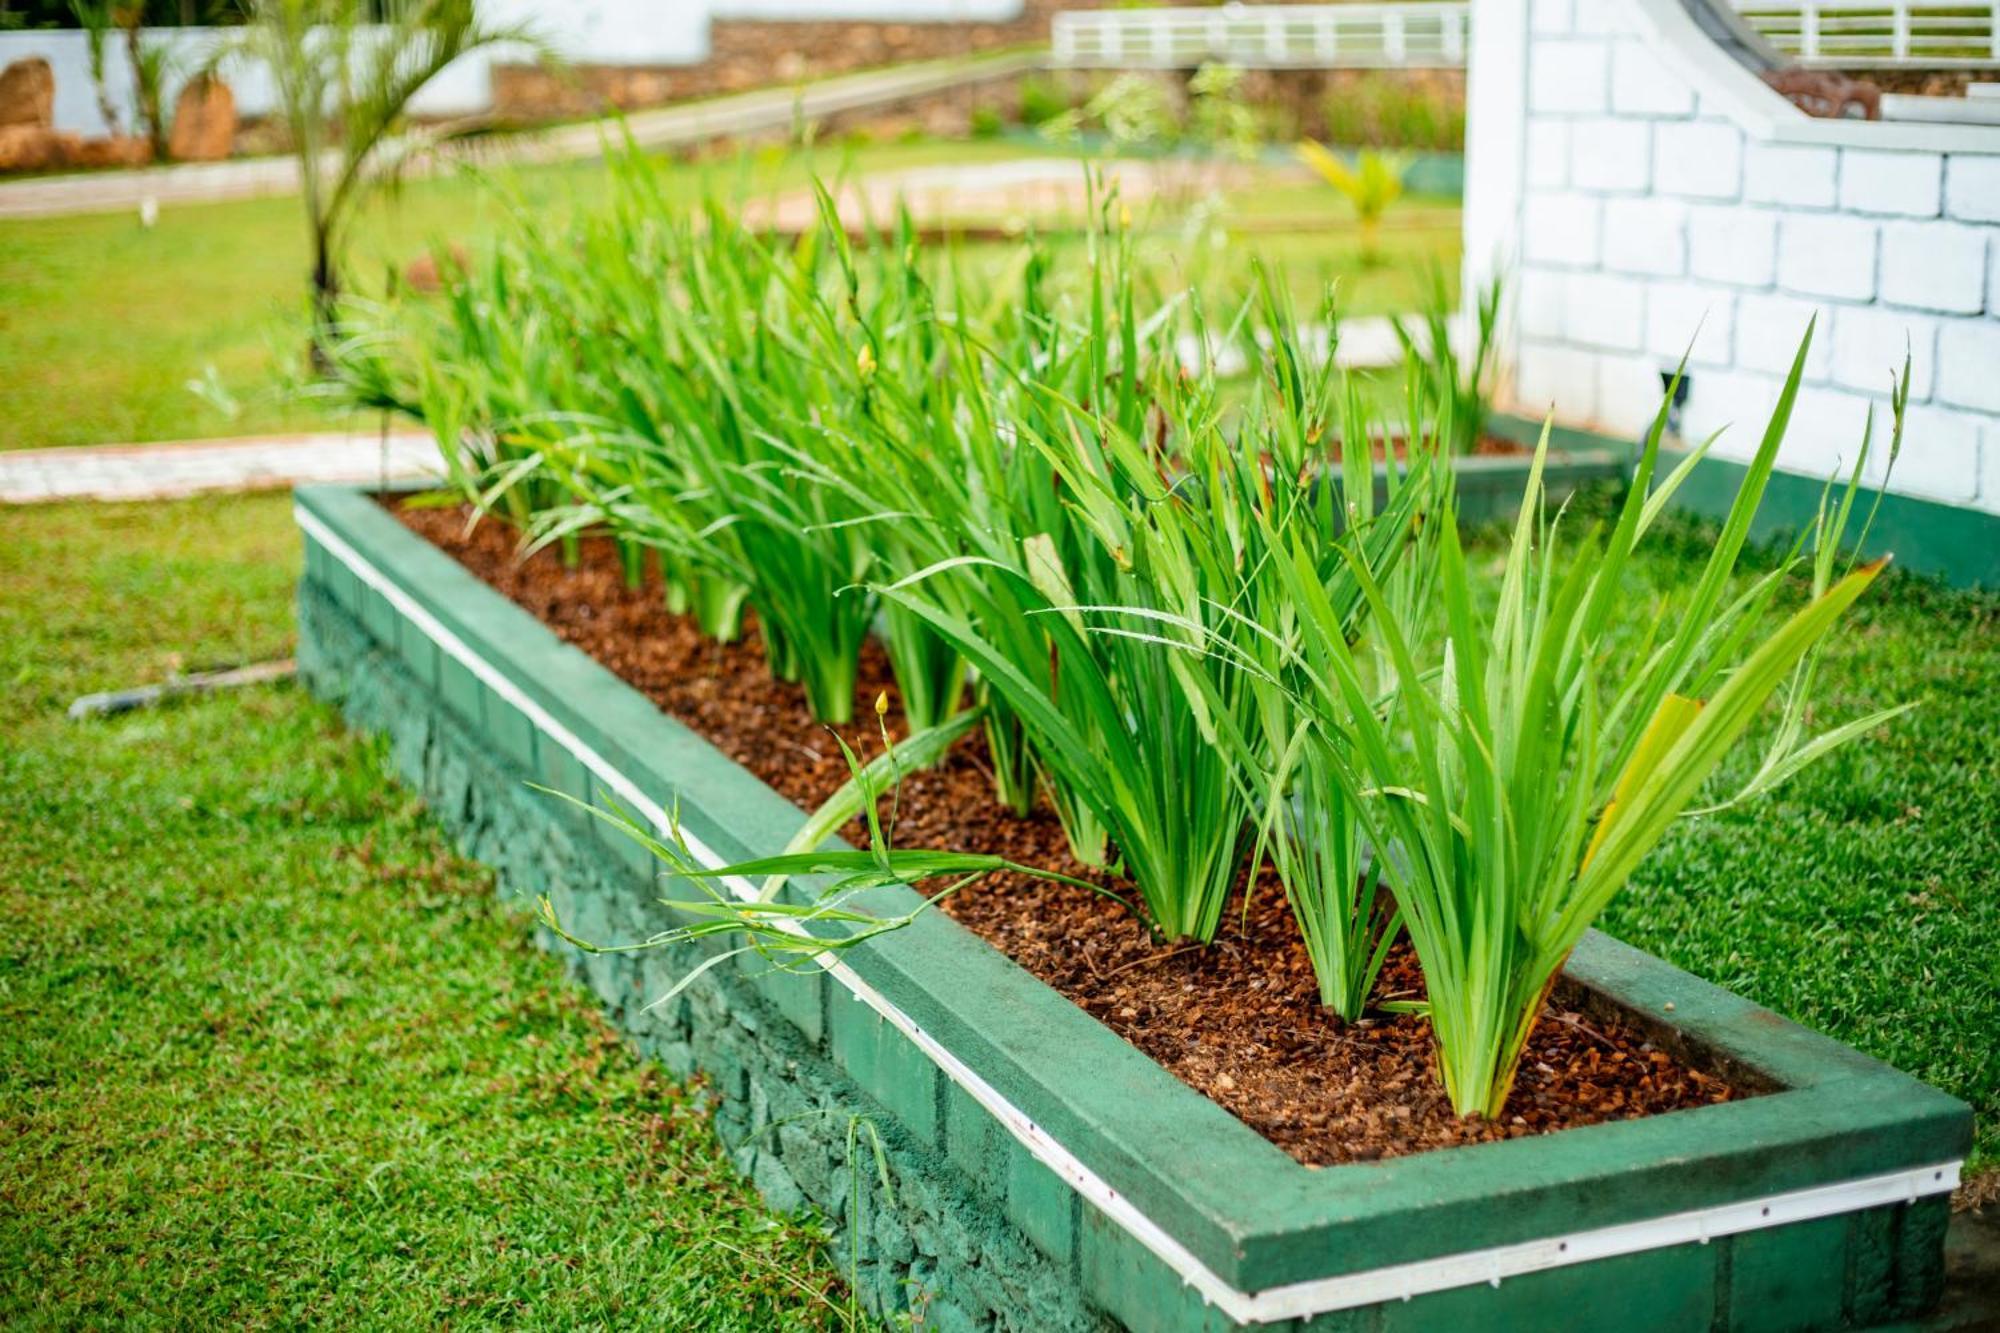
[103,323]
[270,1054]
[1862,898]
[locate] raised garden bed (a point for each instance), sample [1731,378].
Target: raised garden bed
[1046,1173]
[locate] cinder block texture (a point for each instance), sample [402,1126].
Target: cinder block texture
[938,1245]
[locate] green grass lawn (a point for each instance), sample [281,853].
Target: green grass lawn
[1863,897]
[270,1054]
[104,323]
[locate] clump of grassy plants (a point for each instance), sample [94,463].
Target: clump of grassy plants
[1518,772]
[1201,637]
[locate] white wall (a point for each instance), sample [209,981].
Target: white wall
[614,32]
[1664,197]
[611,32]
[463,89]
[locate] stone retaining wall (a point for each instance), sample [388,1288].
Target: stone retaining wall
[932,1244]
[755,53]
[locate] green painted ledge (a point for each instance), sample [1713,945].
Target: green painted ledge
[1953,543]
[1252,1216]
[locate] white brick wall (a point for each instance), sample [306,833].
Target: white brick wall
[1940,459]
[1870,343]
[1682,317]
[1646,235]
[1769,327]
[1910,184]
[1969,364]
[1732,244]
[1802,176]
[1539,302]
[1548,153]
[1699,159]
[1657,218]
[1934,266]
[1642,86]
[1972,188]
[1828,254]
[1562,228]
[1611,155]
[1604,311]
[1570,77]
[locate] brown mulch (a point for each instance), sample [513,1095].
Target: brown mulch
[1486,446]
[1238,1021]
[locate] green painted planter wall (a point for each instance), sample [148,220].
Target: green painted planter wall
[979,1232]
[1955,544]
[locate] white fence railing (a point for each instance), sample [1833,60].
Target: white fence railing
[1859,33]
[1402,36]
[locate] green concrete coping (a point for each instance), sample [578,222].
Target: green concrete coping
[1954,543]
[1958,545]
[1171,1172]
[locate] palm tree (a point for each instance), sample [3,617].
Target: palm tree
[344,86]
[95,17]
[150,68]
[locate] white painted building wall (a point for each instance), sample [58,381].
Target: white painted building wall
[1650,196]
[464,89]
[607,32]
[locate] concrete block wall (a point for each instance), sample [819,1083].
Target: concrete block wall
[1655,216]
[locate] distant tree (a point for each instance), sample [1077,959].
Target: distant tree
[149,64]
[94,16]
[345,73]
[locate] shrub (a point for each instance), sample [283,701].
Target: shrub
[1382,109]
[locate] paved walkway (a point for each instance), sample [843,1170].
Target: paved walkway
[666,127]
[191,467]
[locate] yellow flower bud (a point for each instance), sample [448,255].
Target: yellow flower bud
[865,362]
[882,704]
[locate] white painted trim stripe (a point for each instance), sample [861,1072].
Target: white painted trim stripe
[1317,1296]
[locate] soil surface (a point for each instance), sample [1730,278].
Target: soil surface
[1239,1021]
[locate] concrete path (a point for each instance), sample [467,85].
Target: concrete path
[1040,189]
[665,127]
[192,467]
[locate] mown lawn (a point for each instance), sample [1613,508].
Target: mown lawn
[1862,898]
[104,323]
[270,1054]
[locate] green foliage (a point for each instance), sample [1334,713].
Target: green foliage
[153,65]
[1220,116]
[1518,774]
[1135,111]
[1200,635]
[75,377]
[1390,109]
[94,17]
[1454,379]
[1371,186]
[345,83]
[1043,99]
[792,935]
